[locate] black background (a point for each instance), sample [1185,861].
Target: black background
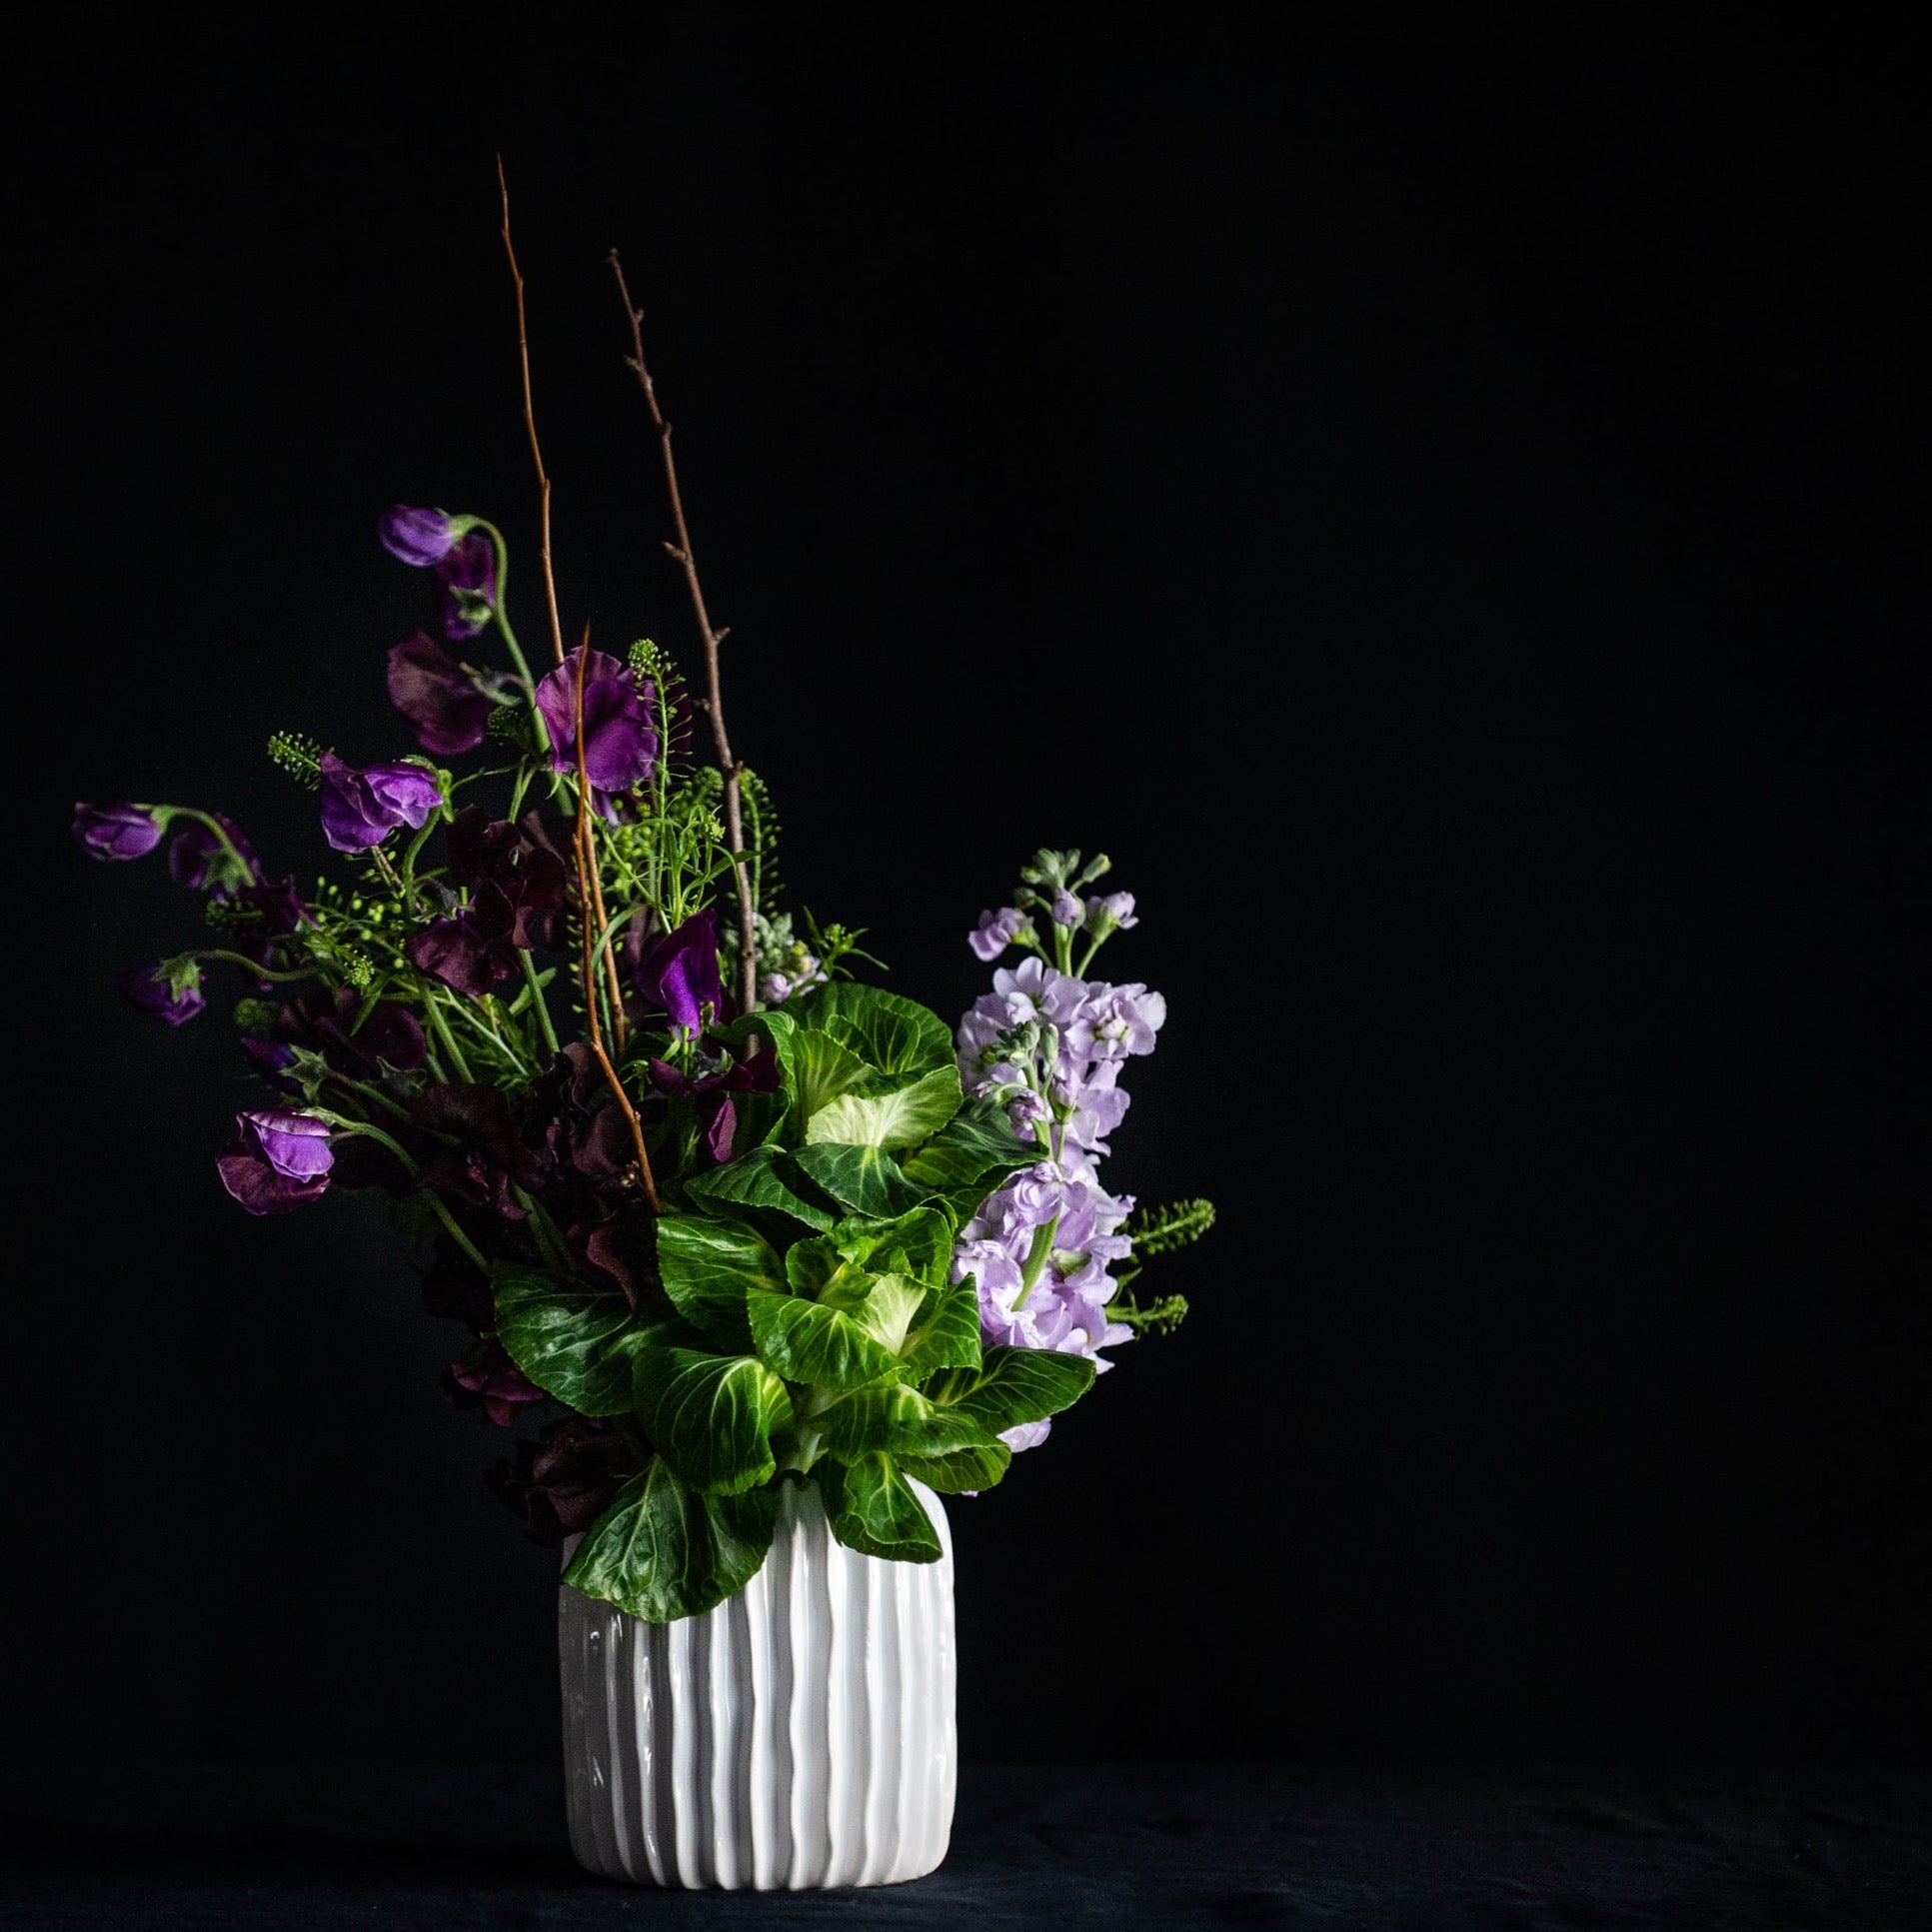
[1437,510]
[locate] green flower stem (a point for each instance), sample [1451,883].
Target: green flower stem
[1035,1260]
[255,966]
[545,1230]
[474,1011]
[213,825]
[416,844]
[500,613]
[350,1124]
[537,998]
[434,1009]
[1100,938]
[454,1233]
[373,1093]
[525,772]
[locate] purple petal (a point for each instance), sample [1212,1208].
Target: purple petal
[145,988]
[415,537]
[116,830]
[429,687]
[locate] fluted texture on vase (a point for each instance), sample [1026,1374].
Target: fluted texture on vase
[799,1736]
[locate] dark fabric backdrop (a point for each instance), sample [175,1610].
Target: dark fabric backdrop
[1442,512]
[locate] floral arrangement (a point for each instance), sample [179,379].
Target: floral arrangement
[718,1215]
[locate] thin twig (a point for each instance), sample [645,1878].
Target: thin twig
[585,868]
[714,704]
[586,871]
[619,1025]
[529,420]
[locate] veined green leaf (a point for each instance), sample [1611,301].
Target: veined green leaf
[664,1550]
[895,1035]
[962,1469]
[1015,1385]
[820,1069]
[948,1332]
[865,1180]
[814,1264]
[918,1243]
[709,1266]
[807,1344]
[873,1510]
[711,1416]
[889,1309]
[900,1118]
[765,1177]
[891,1417]
[575,1339]
[977,1142]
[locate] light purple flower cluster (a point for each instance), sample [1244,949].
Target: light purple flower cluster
[1050,1045]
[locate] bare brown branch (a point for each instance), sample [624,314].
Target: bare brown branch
[590,921]
[714,704]
[529,420]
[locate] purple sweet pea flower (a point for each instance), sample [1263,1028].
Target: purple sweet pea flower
[467,572]
[561,1484]
[116,830]
[1111,913]
[361,809]
[1068,910]
[679,973]
[620,740]
[459,952]
[199,861]
[417,537]
[494,1380]
[998,931]
[277,1162]
[433,693]
[712,1091]
[150,989]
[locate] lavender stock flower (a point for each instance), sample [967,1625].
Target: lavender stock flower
[276,1161]
[116,830]
[418,538]
[998,931]
[361,809]
[620,740]
[174,996]
[448,712]
[1111,913]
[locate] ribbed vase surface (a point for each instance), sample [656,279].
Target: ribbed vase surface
[799,1736]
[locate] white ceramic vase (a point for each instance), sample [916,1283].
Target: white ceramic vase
[799,1736]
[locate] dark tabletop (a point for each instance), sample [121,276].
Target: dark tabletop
[482,1847]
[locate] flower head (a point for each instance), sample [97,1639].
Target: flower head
[169,993]
[418,537]
[491,1378]
[1111,1023]
[561,1484]
[998,931]
[198,859]
[433,692]
[620,740]
[361,809]
[679,973]
[276,1161]
[117,831]
[466,573]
